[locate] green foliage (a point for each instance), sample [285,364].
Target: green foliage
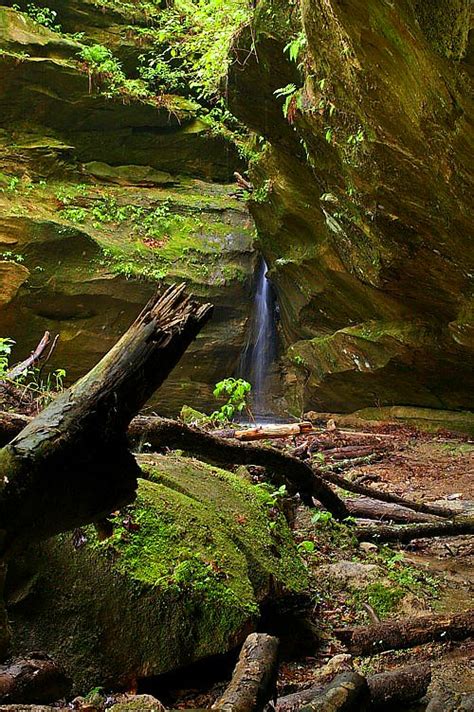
[5,352]
[307,547]
[11,257]
[42,15]
[236,390]
[192,40]
[101,63]
[292,100]
[296,46]
[383,599]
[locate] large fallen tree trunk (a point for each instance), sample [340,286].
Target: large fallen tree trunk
[297,475]
[404,533]
[405,633]
[253,682]
[71,465]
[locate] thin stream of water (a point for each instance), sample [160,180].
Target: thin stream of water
[260,352]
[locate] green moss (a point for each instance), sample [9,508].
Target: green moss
[181,577]
[383,599]
[446,24]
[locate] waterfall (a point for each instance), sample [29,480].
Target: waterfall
[260,351]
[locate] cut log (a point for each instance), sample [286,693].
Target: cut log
[386,496]
[285,469]
[253,681]
[405,633]
[400,686]
[71,464]
[163,434]
[366,508]
[348,692]
[463,524]
[33,680]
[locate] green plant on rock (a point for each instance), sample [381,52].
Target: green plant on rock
[42,15]
[296,46]
[236,390]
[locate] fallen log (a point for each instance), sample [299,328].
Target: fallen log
[406,633]
[33,680]
[405,533]
[386,496]
[366,508]
[351,452]
[71,464]
[269,432]
[400,686]
[161,433]
[396,687]
[348,692]
[32,359]
[254,678]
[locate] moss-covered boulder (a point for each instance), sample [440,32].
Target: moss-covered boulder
[363,195]
[180,579]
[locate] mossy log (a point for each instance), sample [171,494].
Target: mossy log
[405,533]
[253,681]
[297,475]
[71,464]
[406,633]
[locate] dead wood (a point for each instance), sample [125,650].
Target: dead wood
[285,469]
[33,680]
[386,496]
[32,359]
[350,452]
[400,686]
[253,681]
[267,432]
[71,464]
[405,533]
[168,434]
[348,692]
[366,508]
[406,633]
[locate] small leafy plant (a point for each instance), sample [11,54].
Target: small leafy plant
[5,352]
[236,390]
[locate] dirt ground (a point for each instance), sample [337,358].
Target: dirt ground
[428,575]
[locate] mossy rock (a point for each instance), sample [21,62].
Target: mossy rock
[181,578]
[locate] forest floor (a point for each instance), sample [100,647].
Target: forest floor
[352,582]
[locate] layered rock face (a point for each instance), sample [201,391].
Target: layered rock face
[106,196]
[363,196]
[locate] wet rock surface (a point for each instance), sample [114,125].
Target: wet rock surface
[362,198]
[104,199]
